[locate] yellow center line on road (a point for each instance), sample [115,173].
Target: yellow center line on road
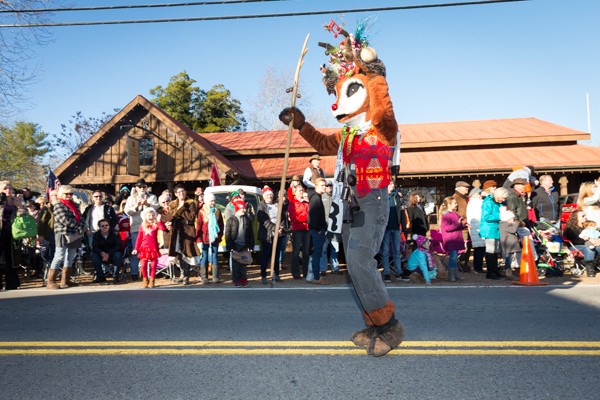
[298,343]
[291,348]
[294,352]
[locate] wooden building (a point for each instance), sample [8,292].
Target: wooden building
[434,155]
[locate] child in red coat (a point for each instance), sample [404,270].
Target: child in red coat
[146,246]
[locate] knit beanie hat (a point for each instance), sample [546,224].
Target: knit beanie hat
[208,197]
[419,239]
[238,205]
[266,189]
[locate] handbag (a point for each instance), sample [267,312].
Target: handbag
[243,257]
[73,237]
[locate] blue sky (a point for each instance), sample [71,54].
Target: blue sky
[527,59]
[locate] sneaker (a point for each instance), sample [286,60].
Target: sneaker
[264,280]
[387,279]
[186,280]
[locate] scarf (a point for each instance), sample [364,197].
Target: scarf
[213,226]
[73,207]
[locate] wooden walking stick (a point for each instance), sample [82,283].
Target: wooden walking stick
[294,91]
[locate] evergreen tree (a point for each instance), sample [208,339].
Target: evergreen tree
[212,111]
[23,147]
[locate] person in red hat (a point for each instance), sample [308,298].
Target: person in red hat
[239,237]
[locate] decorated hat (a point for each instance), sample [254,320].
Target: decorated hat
[238,204]
[266,189]
[349,55]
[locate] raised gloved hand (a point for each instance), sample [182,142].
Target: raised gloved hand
[289,113]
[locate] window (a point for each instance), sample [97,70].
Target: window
[146,152]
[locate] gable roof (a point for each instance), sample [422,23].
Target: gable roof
[122,119]
[431,149]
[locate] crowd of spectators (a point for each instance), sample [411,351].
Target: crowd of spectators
[477,225]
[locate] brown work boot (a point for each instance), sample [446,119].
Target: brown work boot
[144,282]
[51,282]
[64,278]
[151,283]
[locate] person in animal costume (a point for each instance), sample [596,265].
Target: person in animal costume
[365,150]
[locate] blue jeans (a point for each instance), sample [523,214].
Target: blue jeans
[318,240]
[134,261]
[114,260]
[588,254]
[63,256]
[209,253]
[394,238]
[453,259]
[331,242]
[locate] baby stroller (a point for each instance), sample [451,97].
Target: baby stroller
[549,247]
[575,259]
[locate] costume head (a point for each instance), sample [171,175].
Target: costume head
[352,64]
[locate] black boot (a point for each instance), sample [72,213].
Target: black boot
[590,268]
[491,261]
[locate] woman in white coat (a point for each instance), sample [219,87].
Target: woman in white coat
[473,219]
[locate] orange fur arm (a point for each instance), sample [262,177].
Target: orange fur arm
[326,145]
[381,109]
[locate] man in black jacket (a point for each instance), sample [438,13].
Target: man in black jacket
[106,249]
[317,225]
[545,200]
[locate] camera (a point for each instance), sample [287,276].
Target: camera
[348,197]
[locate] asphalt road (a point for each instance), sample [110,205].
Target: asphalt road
[461,343]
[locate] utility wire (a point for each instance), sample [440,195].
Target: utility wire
[257,16]
[134,6]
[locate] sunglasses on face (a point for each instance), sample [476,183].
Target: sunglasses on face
[104,226]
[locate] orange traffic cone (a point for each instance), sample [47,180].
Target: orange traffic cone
[528,272]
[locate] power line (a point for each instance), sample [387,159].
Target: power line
[134,6]
[257,16]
